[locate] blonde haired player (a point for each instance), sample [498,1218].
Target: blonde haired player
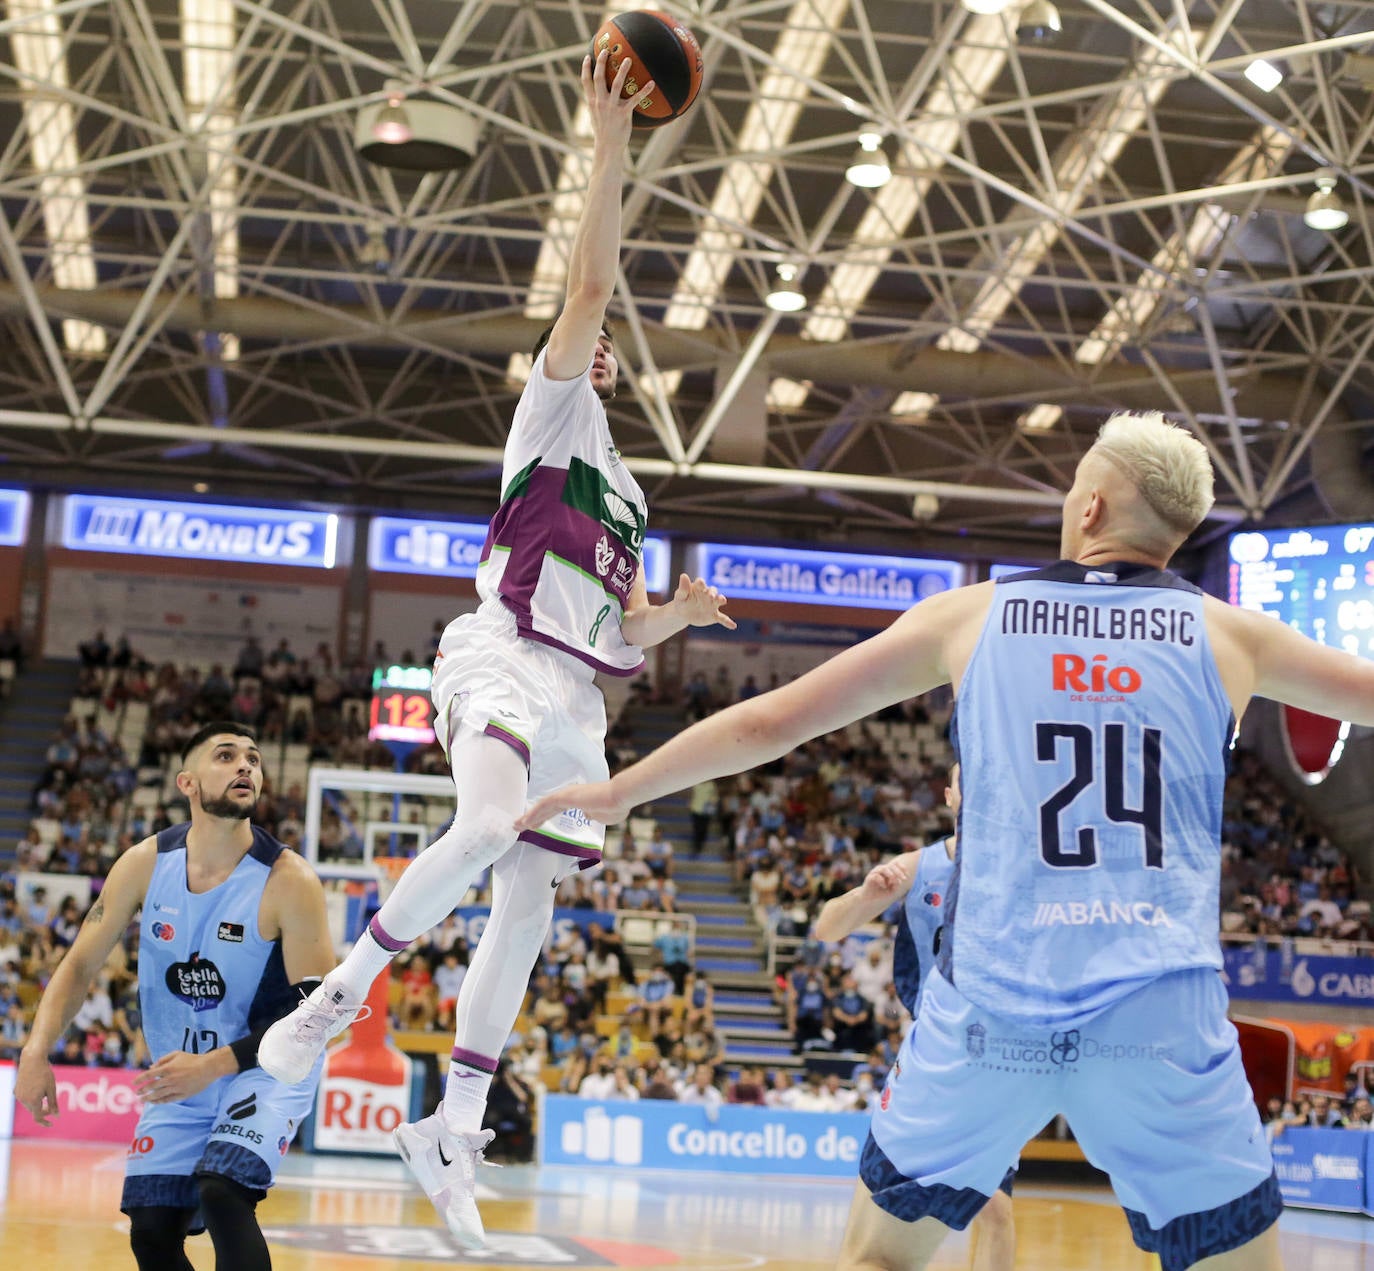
[920,881]
[563,597]
[1096,700]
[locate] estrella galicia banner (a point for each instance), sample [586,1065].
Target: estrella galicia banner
[649,1134]
[1323,1169]
[453,549]
[805,577]
[199,531]
[1280,974]
[14,517]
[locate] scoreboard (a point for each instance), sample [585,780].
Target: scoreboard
[1318,580]
[401,707]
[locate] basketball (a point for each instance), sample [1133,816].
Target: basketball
[661,49]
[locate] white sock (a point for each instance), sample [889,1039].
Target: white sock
[367,959]
[465,1092]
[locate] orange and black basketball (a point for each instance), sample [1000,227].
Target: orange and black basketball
[661,49]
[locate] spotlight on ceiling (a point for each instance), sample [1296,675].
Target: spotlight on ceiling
[1264,75]
[1325,210]
[869,168]
[392,125]
[437,137]
[785,296]
[1039,23]
[985,6]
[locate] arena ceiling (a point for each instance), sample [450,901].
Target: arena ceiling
[205,286]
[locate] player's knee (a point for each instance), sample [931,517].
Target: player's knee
[224,1200]
[157,1236]
[996,1214]
[485,835]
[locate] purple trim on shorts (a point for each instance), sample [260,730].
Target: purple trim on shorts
[493,729]
[378,933]
[586,856]
[471,1059]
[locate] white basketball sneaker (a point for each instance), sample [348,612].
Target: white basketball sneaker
[444,1163]
[289,1048]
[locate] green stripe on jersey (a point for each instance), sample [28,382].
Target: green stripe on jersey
[587,491]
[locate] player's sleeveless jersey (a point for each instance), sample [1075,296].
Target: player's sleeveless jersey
[1092,731]
[206,975]
[564,547]
[918,925]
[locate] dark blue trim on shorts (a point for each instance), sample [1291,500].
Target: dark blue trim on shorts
[238,1164]
[177,1191]
[902,1197]
[1191,1237]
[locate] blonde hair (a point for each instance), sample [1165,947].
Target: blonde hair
[1167,464]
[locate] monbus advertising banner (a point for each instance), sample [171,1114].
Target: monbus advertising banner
[655,1134]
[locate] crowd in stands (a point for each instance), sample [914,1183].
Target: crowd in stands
[600,1017]
[1351,1110]
[1280,875]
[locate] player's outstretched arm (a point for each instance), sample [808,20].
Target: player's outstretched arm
[695,604]
[1292,669]
[595,256]
[844,915]
[105,924]
[907,659]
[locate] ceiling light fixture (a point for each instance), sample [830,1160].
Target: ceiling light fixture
[392,125]
[1325,210]
[985,6]
[785,296]
[1264,75]
[870,168]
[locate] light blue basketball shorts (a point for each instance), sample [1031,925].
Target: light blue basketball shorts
[240,1127]
[1154,1091]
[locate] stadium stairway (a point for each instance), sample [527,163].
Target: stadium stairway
[29,719]
[731,949]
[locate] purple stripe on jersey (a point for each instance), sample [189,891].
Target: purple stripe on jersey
[471,1059]
[586,856]
[493,729]
[538,521]
[522,625]
[389,943]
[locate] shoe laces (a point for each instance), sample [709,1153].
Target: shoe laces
[313,1018]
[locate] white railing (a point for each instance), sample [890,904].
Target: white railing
[1304,946]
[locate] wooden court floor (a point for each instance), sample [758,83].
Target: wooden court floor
[59,1211]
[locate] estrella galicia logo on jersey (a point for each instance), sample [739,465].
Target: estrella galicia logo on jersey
[163,930]
[243,1109]
[1064,1047]
[230,932]
[1095,681]
[975,1040]
[196,982]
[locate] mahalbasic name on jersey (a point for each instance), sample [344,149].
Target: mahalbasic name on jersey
[197,982]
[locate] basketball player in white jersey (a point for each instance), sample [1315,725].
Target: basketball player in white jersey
[1078,971]
[232,929]
[563,597]
[920,880]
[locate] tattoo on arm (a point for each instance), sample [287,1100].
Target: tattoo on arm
[97,910]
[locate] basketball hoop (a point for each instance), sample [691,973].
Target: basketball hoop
[389,869]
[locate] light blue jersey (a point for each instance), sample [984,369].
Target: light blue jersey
[919,924]
[206,975]
[1092,730]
